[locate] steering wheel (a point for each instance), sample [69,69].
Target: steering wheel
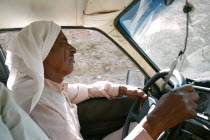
[135,114]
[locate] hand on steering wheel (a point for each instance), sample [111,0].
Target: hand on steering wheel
[172,108]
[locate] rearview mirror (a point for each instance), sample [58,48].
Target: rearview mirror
[168,2]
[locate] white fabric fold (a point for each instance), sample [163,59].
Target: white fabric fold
[15,124]
[25,56]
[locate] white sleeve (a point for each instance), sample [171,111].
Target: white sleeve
[80,92]
[136,132]
[139,133]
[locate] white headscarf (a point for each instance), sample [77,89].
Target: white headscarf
[25,58]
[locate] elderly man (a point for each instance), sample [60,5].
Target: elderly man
[40,57]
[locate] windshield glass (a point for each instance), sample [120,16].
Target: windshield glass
[160,31]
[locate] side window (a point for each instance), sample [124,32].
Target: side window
[97,58]
[4,72]
[5,39]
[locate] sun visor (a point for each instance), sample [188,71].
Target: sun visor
[98,13]
[19,13]
[100,6]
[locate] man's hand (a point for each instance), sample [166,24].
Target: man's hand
[132,92]
[172,108]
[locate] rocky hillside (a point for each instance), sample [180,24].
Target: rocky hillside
[97,58]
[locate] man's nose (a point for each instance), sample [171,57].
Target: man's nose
[72,49]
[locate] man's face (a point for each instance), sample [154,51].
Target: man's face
[61,57]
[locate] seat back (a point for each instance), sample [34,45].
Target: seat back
[4,71]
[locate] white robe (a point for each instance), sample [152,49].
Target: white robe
[56,111]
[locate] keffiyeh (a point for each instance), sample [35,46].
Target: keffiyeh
[25,56]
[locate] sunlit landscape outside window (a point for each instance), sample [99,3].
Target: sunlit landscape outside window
[160,32]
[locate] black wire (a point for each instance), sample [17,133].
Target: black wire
[187,33]
[186,8]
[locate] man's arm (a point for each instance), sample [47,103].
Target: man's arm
[172,108]
[131,91]
[80,92]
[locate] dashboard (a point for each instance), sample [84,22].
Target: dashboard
[198,128]
[203,103]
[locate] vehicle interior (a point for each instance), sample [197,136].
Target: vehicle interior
[168,41]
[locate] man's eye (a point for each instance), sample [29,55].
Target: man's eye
[64,41]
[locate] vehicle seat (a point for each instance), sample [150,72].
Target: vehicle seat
[99,116]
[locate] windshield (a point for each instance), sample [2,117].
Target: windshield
[160,31]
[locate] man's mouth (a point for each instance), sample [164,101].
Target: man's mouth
[71,60]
